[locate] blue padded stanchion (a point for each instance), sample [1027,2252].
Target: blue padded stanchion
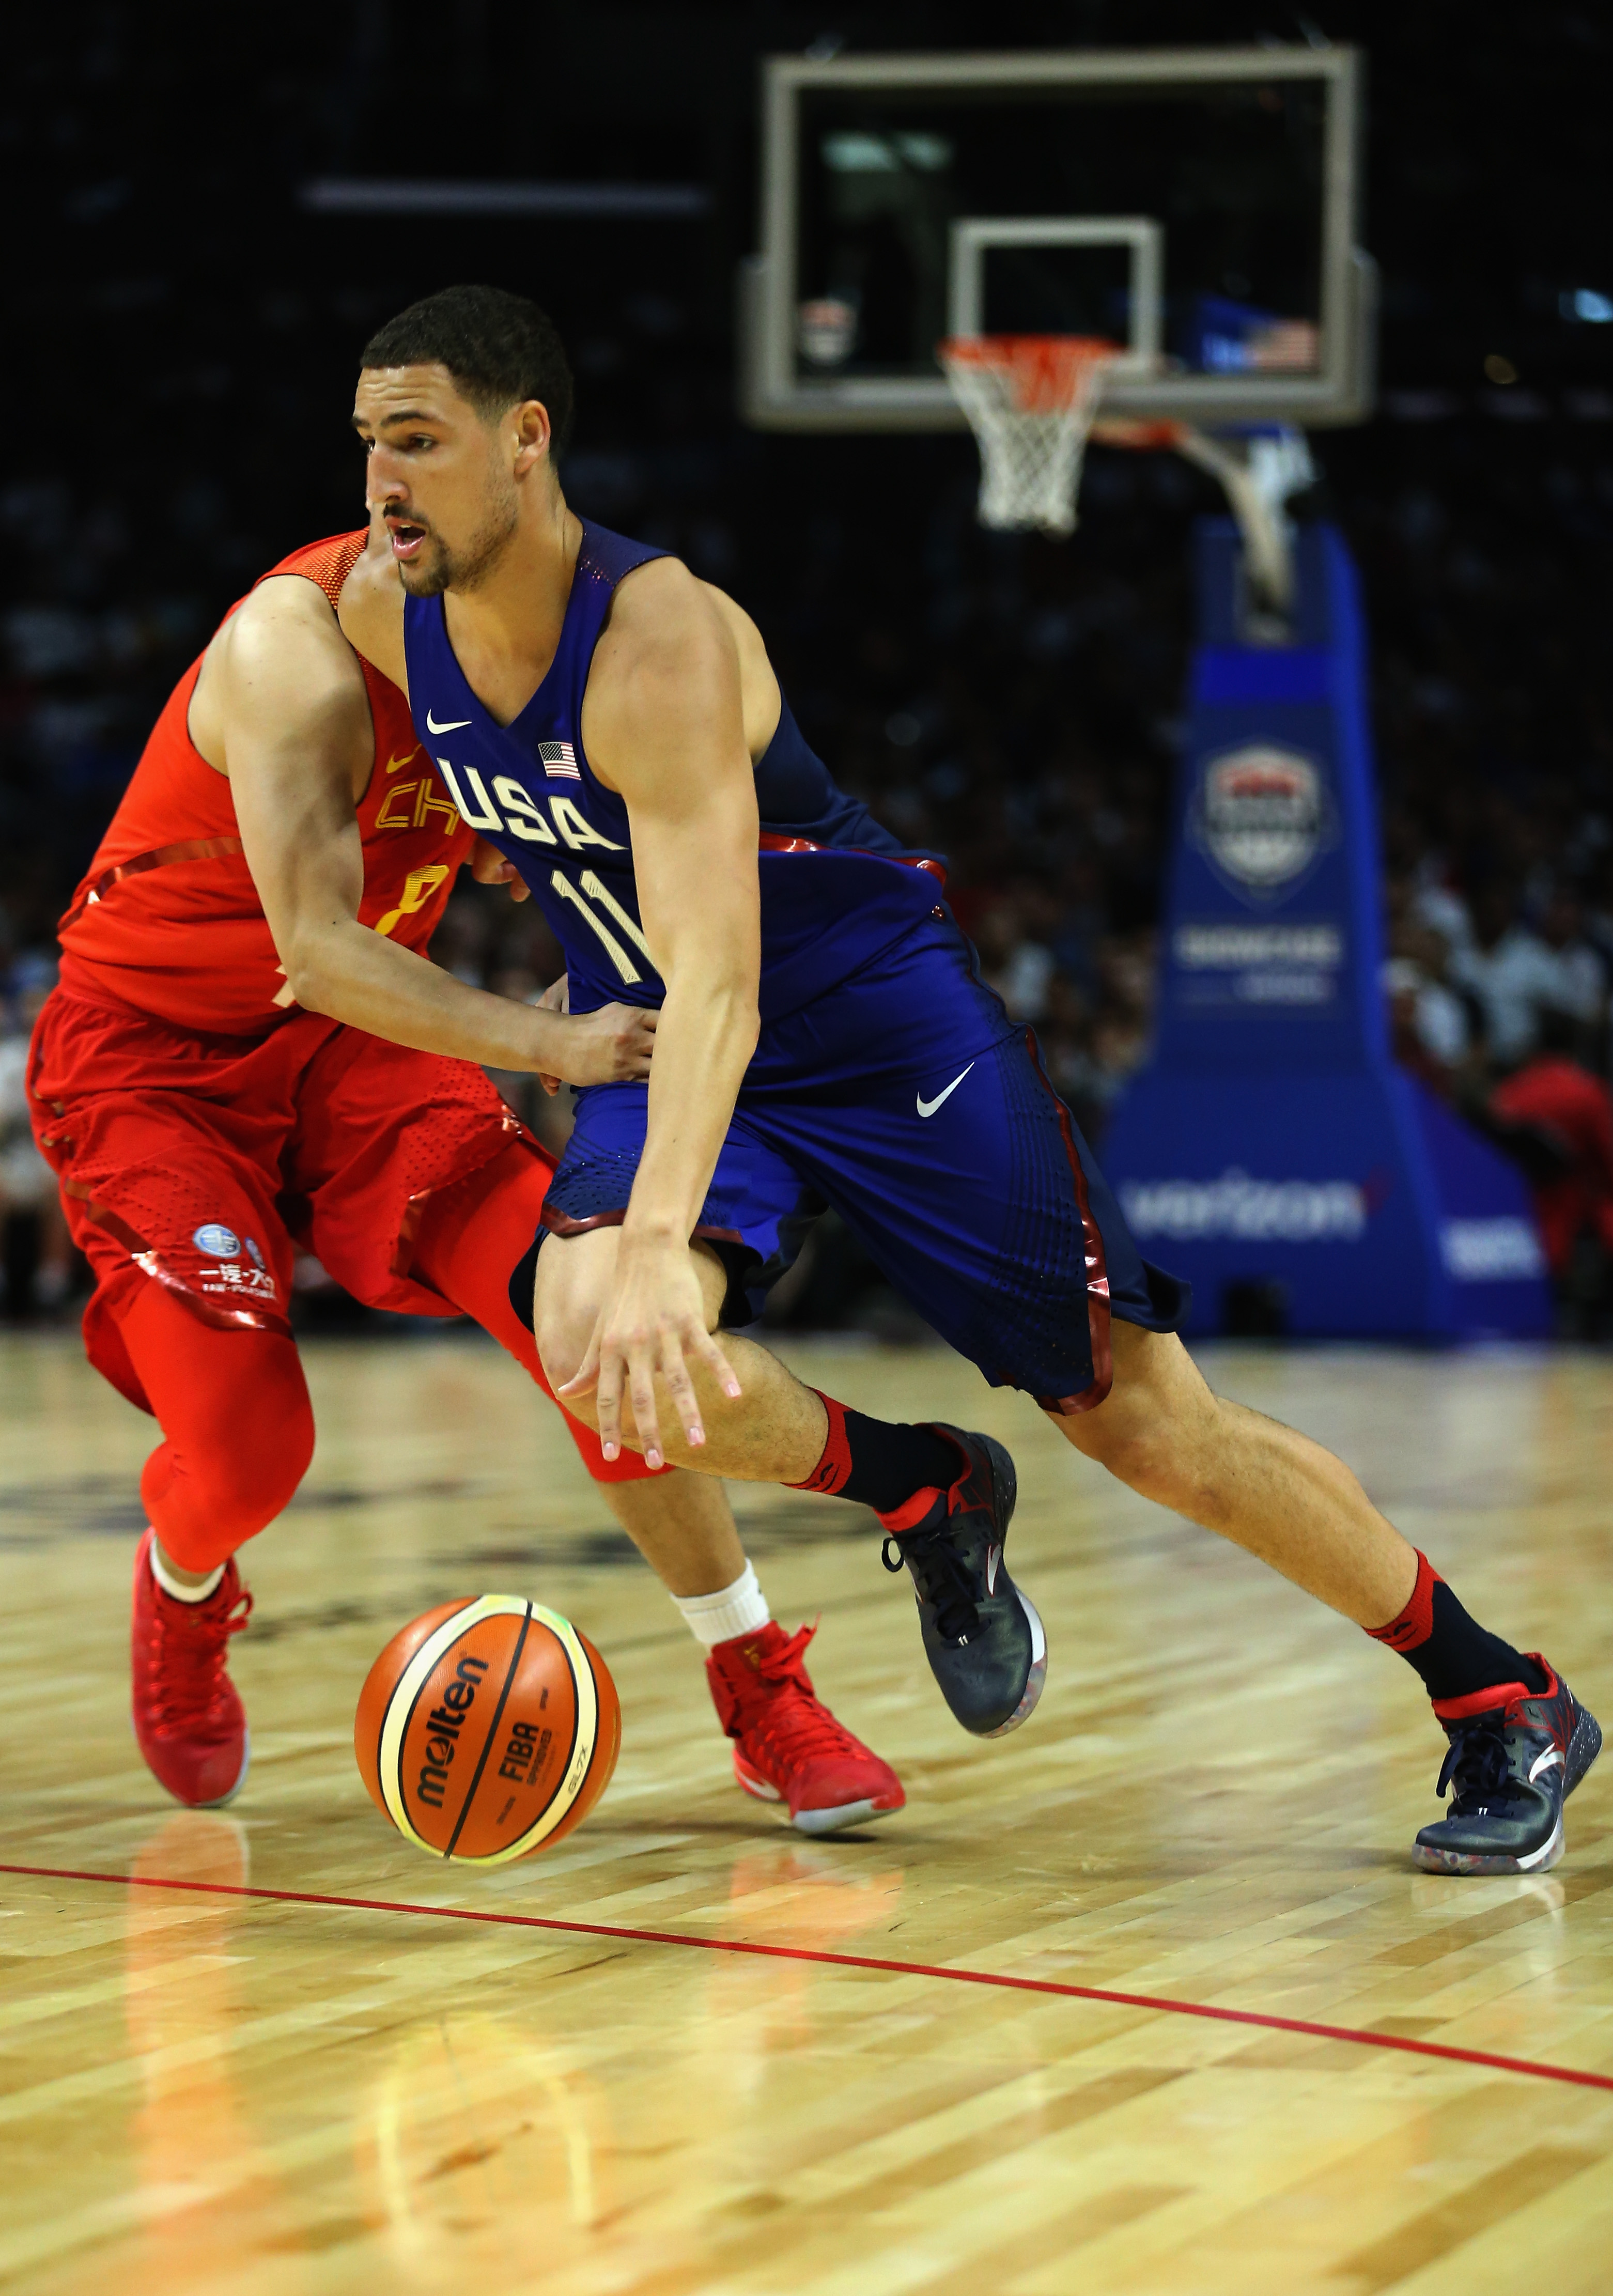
[1272,1143]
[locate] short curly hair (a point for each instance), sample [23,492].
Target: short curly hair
[499,348]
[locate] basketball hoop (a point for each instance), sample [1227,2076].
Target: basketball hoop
[1031,401]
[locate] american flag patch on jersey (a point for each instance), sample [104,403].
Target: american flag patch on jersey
[560,761]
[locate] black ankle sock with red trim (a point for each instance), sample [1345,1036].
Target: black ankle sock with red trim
[1454,1655]
[879,1462]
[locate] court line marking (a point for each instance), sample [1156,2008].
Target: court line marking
[1162,2004]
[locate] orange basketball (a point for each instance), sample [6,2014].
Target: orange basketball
[488,1730]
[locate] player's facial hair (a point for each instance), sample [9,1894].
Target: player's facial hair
[468,567]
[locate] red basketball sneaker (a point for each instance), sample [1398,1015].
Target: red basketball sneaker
[787,1746]
[189,1720]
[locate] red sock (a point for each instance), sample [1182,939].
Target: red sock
[1412,1626]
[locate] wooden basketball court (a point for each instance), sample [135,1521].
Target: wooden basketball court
[278,2050]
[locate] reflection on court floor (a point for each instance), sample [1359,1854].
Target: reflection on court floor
[211,2091]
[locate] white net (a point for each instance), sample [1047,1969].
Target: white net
[1031,400]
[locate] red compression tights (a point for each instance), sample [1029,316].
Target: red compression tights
[234,1409]
[471,1237]
[233,1405]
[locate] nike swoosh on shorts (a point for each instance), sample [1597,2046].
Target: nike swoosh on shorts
[451,726]
[928,1107]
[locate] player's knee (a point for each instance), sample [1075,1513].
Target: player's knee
[1147,1431]
[562,1324]
[256,1476]
[1137,1452]
[216,1485]
[572,1277]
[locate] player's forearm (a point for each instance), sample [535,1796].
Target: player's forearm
[704,1041]
[352,974]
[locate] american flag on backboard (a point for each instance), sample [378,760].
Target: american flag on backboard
[560,761]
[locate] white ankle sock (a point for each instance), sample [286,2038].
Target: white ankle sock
[176,1586]
[737,1609]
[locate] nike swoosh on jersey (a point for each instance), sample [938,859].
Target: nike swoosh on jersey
[451,726]
[396,765]
[928,1107]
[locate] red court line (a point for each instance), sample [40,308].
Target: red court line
[1162,2002]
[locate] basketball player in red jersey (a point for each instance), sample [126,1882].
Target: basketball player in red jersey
[248,1053]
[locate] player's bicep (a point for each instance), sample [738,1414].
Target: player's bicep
[676,741]
[698,889]
[296,721]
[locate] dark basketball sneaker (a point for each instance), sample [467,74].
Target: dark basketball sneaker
[1513,1761]
[982,1636]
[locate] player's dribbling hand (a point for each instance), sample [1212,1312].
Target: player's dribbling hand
[654,1321]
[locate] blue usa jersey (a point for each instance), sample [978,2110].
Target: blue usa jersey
[836,888]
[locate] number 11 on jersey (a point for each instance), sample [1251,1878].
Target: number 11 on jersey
[606,901]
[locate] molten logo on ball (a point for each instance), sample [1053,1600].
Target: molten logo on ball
[460,1697]
[487,1730]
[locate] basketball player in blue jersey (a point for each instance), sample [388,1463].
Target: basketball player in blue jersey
[613,726]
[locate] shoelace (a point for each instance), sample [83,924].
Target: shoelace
[796,1721]
[941,1576]
[188,1657]
[1477,1764]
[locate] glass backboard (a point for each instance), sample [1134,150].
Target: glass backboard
[1197,207]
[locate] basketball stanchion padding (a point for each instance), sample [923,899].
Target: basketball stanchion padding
[1031,401]
[488,1730]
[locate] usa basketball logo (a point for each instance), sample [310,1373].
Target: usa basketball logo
[1262,817]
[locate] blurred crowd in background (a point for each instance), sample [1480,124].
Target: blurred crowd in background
[1010,701]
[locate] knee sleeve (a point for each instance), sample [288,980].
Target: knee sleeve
[471,1236]
[234,1408]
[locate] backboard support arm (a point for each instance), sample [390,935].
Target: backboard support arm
[1258,475]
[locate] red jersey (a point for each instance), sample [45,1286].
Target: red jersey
[167,918]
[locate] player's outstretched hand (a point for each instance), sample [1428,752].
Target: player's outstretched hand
[489,866]
[653,1321]
[555,998]
[613,1046]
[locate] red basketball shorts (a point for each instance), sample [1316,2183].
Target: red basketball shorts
[207,1163]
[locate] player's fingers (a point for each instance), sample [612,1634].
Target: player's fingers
[608,1403]
[680,1387]
[587,1371]
[640,1379]
[637,1044]
[707,1350]
[550,1084]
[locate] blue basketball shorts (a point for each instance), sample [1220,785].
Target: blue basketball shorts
[907,1101]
